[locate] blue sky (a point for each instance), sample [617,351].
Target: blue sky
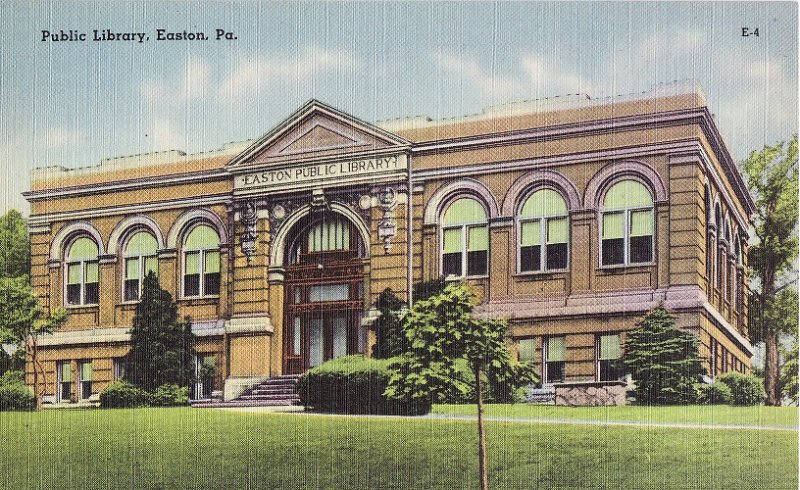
[73,103]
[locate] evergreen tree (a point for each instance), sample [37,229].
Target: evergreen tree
[15,248]
[162,347]
[662,360]
[389,338]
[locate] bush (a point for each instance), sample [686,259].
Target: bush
[745,389]
[12,377]
[713,394]
[170,394]
[122,394]
[16,396]
[355,384]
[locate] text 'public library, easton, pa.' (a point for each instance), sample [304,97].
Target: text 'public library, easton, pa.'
[571,217]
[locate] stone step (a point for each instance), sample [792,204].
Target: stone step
[279,382]
[246,403]
[273,391]
[281,396]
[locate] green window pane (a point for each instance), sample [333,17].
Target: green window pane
[91,272]
[132,268]
[192,265]
[74,274]
[141,243]
[478,239]
[201,237]
[212,262]
[452,240]
[151,265]
[530,233]
[315,238]
[86,371]
[609,347]
[66,372]
[527,349]
[641,223]
[556,349]
[464,211]
[82,248]
[613,225]
[627,194]
[545,202]
[557,231]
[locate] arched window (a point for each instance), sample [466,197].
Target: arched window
[465,239]
[82,272]
[324,237]
[709,237]
[543,232]
[140,259]
[627,224]
[717,270]
[201,262]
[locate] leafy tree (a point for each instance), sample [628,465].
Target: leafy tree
[22,321]
[390,340]
[162,347]
[788,381]
[15,247]
[426,289]
[772,179]
[441,330]
[662,360]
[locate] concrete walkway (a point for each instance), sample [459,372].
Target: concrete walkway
[552,421]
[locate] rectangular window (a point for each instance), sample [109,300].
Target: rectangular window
[211,272]
[557,238]
[613,238]
[191,277]
[151,265]
[132,279]
[118,368]
[296,339]
[329,292]
[608,354]
[92,284]
[339,327]
[530,252]
[451,252]
[641,236]
[64,371]
[85,372]
[555,359]
[74,284]
[527,350]
[477,251]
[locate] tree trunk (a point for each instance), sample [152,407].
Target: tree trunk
[482,460]
[31,347]
[771,369]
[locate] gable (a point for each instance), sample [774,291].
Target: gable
[316,131]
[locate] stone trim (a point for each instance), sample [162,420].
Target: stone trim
[452,190]
[258,324]
[70,230]
[618,171]
[532,181]
[127,225]
[190,217]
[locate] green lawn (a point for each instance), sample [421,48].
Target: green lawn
[166,448]
[693,414]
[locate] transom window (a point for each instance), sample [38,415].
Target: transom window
[627,224]
[201,261]
[465,239]
[328,236]
[82,272]
[543,232]
[140,259]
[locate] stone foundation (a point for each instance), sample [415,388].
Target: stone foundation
[593,393]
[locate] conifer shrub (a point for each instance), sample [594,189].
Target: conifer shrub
[745,389]
[356,385]
[713,394]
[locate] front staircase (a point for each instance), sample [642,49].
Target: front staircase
[279,391]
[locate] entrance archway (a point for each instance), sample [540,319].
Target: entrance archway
[323,290]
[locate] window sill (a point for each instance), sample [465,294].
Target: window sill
[92,306]
[540,274]
[622,267]
[465,278]
[199,300]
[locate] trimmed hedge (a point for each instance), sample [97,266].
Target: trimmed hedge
[713,394]
[745,389]
[354,384]
[16,396]
[122,394]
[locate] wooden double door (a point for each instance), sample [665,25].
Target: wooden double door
[322,317]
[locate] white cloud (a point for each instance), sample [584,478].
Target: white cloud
[61,136]
[251,75]
[488,84]
[196,78]
[547,79]
[164,135]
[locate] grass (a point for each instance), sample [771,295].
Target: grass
[759,416]
[166,448]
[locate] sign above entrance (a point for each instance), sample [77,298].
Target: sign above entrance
[299,175]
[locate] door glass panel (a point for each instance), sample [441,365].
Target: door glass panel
[315,350]
[296,337]
[329,292]
[339,329]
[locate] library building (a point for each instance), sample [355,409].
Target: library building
[571,217]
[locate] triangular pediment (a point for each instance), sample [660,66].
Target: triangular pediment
[316,131]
